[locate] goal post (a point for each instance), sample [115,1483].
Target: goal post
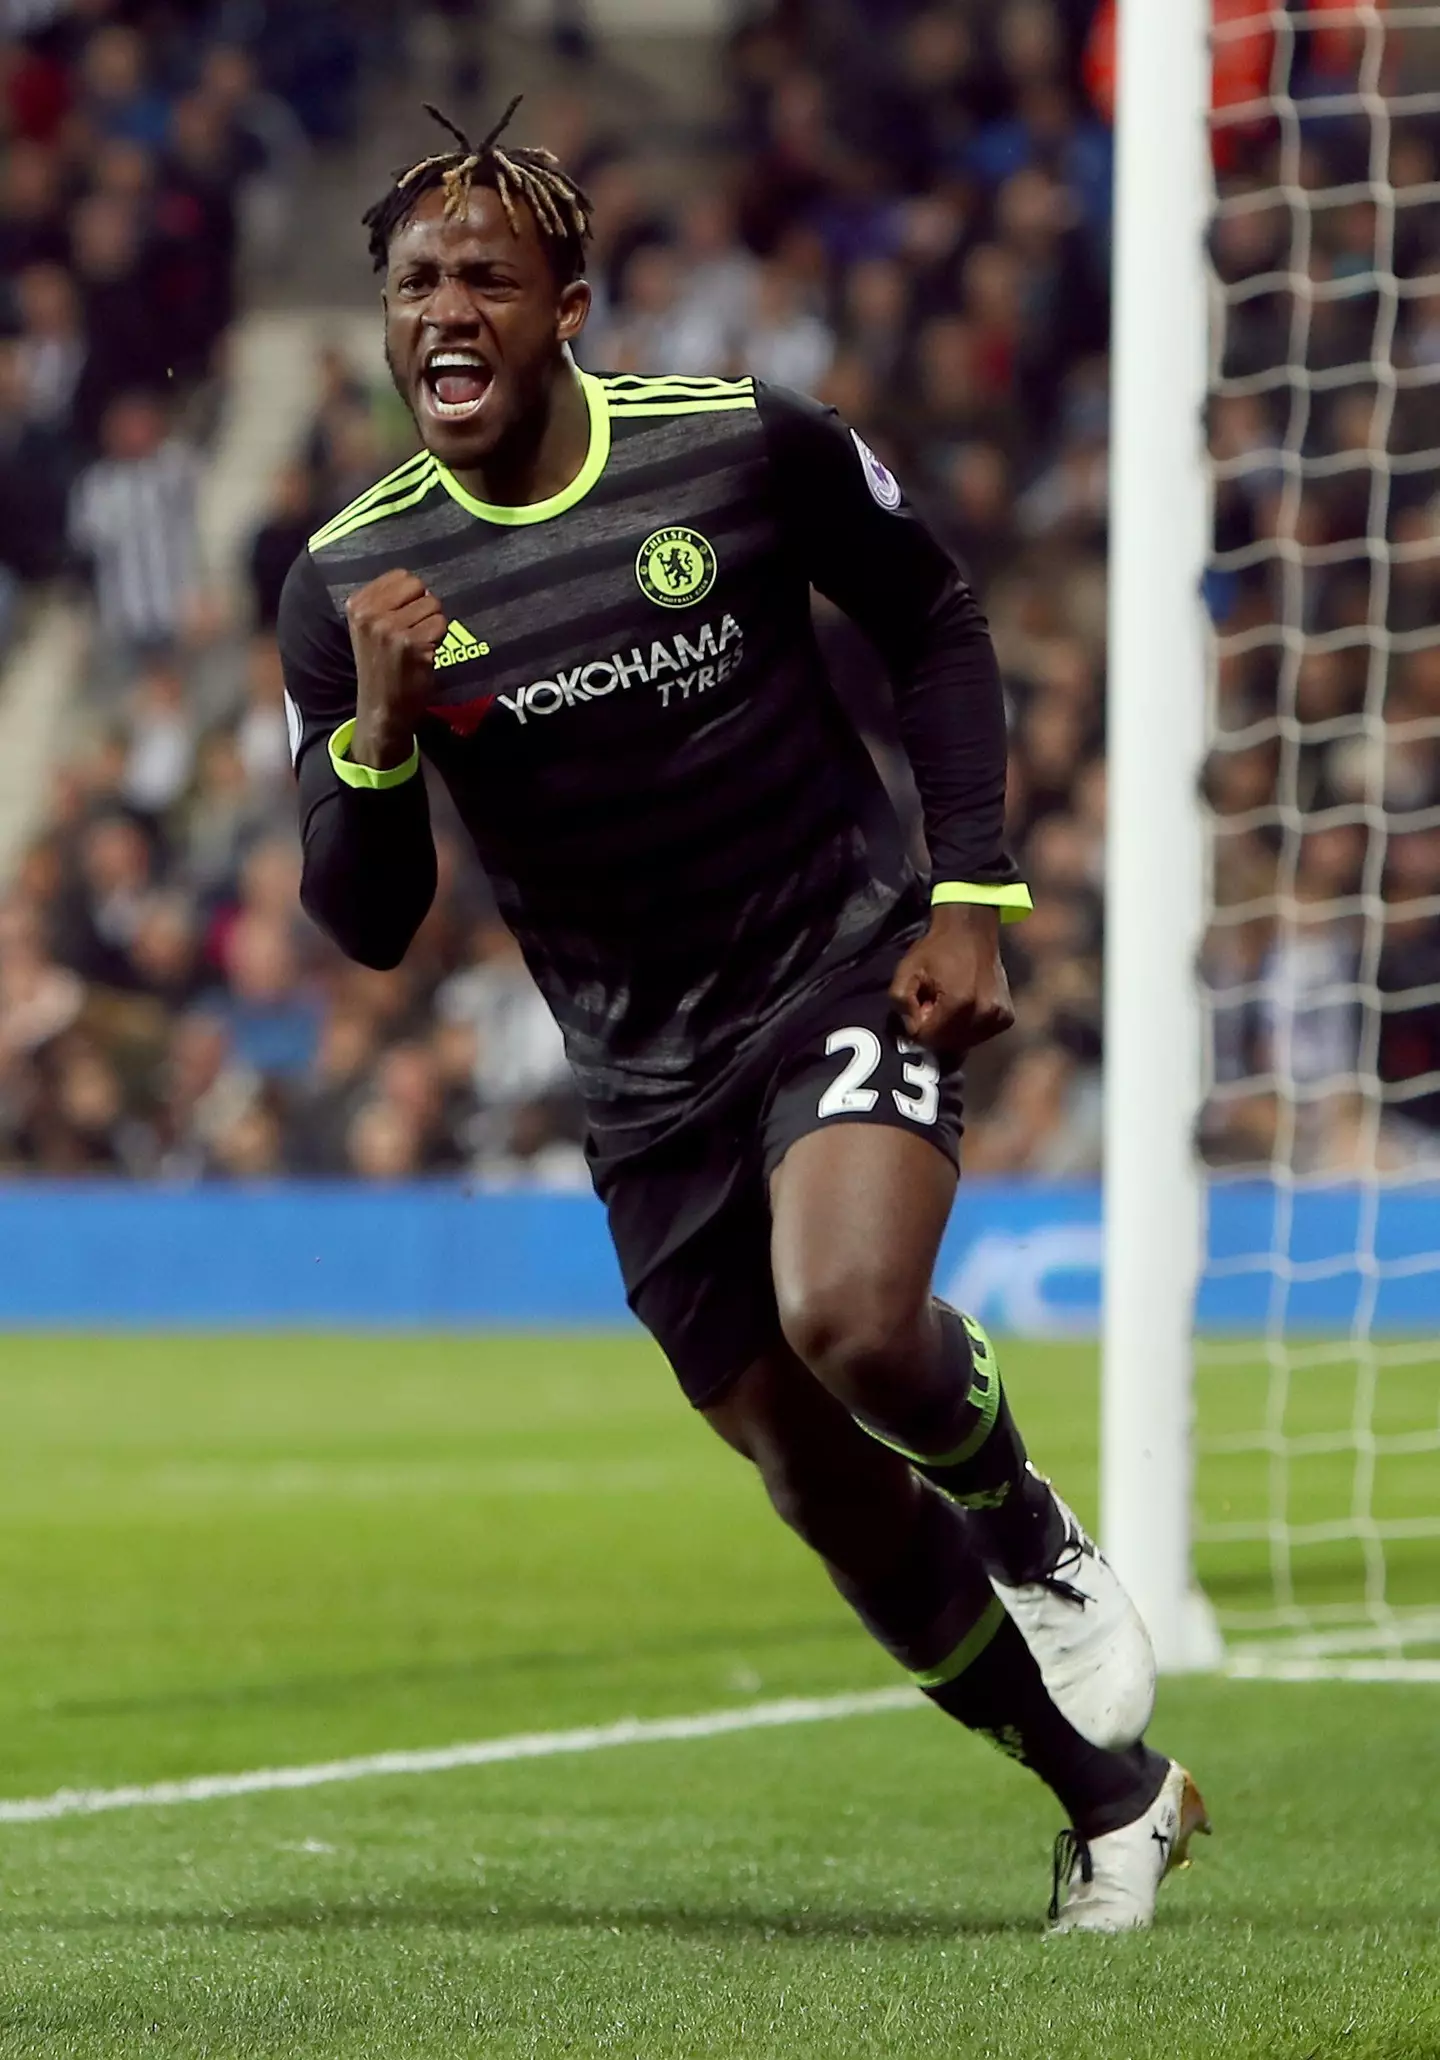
[1155,747]
[1272,979]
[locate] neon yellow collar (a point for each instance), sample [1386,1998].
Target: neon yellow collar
[580,485]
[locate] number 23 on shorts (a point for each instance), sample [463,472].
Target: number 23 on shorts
[849,1093]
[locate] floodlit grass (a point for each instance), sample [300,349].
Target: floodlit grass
[1284,1436]
[229,1553]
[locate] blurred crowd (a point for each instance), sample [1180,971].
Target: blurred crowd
[142,146]
[166,1010]
[906,211]
[163,1008]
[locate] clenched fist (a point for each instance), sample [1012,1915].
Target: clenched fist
[396,625]
[950,990]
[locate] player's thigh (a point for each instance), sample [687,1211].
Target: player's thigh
[862,1148]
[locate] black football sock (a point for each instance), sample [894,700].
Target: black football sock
[965,1440]
[992,1686]
[921,1608]
[936,1613]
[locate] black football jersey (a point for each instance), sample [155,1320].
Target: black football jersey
[678,820]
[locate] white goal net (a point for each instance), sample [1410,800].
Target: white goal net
[1318,1376]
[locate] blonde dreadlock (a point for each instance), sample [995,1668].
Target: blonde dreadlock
[521,176]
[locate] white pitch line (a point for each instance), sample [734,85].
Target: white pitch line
[544,1745]
[1241,1667]
[484,1752]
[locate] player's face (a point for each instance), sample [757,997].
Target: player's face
[473,324]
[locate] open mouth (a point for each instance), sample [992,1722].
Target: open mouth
[455,383]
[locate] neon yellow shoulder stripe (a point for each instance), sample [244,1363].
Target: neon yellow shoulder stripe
[619,409]
[391,483]
[625,386]
[423,484]
[629,393]
[377,500]
[673,379]
[365,507]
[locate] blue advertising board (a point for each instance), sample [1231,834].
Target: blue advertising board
[1024,1256]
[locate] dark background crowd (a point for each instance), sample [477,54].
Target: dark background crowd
[902,208]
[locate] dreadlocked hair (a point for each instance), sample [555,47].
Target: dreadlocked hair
[531,177]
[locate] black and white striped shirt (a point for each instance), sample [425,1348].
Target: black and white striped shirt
[134,520]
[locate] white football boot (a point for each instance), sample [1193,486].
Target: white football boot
[1093,1652]
[1110,1883]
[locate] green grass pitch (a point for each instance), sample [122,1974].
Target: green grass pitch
[233,1553]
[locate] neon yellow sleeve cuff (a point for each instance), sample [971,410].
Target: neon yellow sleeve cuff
[368,775]
[1013,902]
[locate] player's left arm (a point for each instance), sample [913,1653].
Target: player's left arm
[862,545]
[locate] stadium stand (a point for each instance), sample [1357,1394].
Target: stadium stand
[904,210]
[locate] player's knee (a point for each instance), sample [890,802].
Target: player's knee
[860,1337]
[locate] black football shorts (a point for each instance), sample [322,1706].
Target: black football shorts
[691,1218]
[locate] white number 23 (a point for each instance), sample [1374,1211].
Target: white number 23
[848,1093]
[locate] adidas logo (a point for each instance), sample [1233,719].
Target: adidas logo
[458,646]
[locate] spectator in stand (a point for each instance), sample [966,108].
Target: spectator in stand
[196,236]
[161,754]
[222,816]
[875,313]
[383,1143]
[648,335]
[623,222]
[267,142]
[116,96]
[52,345]
[326,1102]
[354,453]
[105,899]
[33,476]
[199,1090]
[948,406]
[342,397]
[132,520]
[165,950]
[124,351]
[32,219]
[128,171]
[409,1087]
[526,1096]
[1069,500]
[274,1023]
[976,514]
[82,1124]
[786,341]
[719,281]
[281,537]
[269,885]
[262,735]
[39,1002]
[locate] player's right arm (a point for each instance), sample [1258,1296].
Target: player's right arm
[356,686]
